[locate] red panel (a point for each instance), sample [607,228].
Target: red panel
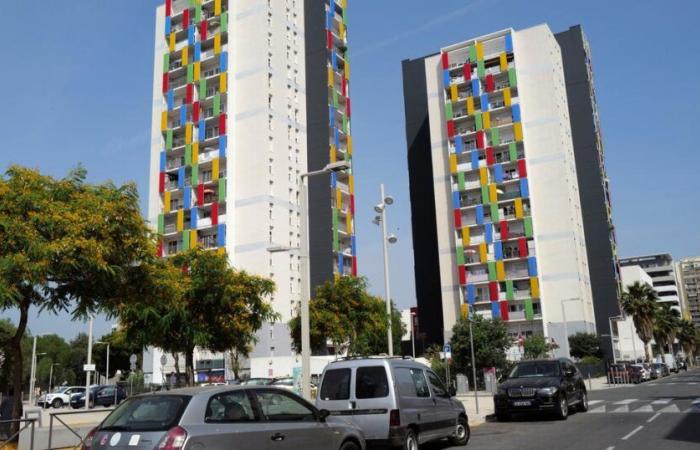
[347,107]
[166,82]
[159,249]
[445,61]
[522,170]
[504,310]
[222,124]
[168,7]
[522,247]
[195,112]
[200,194]
[189,93]
[352,204]
[354,266]
[493,291]
[479,139]
[161,182]
[490,85]
[467,71]
[329,38]
[503,225]
[450,128]
[344,87]
[490,157]
[458,218]
[203,30]
[462,275]
[215,213]
[185,18]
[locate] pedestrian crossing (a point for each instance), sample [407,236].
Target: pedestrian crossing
[633,405]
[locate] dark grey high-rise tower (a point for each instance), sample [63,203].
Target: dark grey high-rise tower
[593,181]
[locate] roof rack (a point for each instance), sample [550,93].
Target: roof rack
[380,356]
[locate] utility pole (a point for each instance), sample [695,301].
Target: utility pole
[89,361]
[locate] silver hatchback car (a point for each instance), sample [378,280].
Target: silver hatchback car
[222,417]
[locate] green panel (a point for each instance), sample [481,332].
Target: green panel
[336,246]
[527,222]
[460,255]
[481,69]
[202,89]
[478,121]
[188,154]
[495,216]
[448,110]
[217,104]
[460,180]
[224,21]
[161,223]
[190,3]
[529,311]
[198,13]
[186,240]
[472,53]
[495,136]
[513,151]
[190,73]
[492,270]
[512,79]
[195,174]
[169,139]
[345,124]
[335,98]
[166,62]
[222,189]
[346,158]
[510,294]
[485,195]
[345,16]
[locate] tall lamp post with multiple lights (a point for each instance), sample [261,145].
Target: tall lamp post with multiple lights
[380,220]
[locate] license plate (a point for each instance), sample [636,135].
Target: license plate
[522,403]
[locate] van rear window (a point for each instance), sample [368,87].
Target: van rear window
[336,385]
[371,382]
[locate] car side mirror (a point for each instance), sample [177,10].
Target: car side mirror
[322,414]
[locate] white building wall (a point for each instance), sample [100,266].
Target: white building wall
[629,346]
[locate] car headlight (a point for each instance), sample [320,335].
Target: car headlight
[549,391]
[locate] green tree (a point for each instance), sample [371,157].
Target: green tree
[666,324]
[640,302]
[585,344]
[197,300]
[65,245]
[687,338]
[491,340]
[535,346]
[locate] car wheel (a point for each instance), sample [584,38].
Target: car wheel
[562,410]
[462,432]
[411,441]
[58,403]
[583,404]
[349,445]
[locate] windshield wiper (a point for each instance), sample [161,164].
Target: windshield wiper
[115,428]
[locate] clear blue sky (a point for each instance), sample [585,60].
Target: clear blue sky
[77,83]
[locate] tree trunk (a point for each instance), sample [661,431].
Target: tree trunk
[176,357]
[646,351]
[189,366]
[15,345]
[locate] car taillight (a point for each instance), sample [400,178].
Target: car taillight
[174,440]
[87,442]
[394,418]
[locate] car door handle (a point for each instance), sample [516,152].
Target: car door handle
[277,437]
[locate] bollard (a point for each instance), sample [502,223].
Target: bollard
[590,388]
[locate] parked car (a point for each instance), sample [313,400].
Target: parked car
[619,373]
[59,397]
[284,383]
[636,374]
[659,370]
[257,381]
[544,385]
[100,396]
[218,417]
[395,401]
[645,371]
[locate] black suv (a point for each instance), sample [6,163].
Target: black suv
[542,385]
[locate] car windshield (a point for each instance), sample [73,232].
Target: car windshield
[535,369]
[148,413]
[59,390]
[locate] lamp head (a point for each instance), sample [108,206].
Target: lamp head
[379,207]
[392,239]
[388,200]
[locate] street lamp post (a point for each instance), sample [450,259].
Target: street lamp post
[612,335]
[89,361]
[380,208]
[32,372]
[51,374]
[413,334]
[106,368]
[566,325]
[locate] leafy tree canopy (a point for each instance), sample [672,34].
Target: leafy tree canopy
[535,346]
[585,344]
[491,340]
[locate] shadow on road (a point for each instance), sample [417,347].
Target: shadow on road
[687,430]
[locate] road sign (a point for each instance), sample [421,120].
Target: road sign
[163,360]
[133,359]
[89,367]
[447,349]
[132,366]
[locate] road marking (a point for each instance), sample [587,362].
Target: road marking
[670,409]
[651,419]
[595,402]
[632,433]
[644,409]
[662,401]
[626,401]
[600,409]
[622,409]
[610,448]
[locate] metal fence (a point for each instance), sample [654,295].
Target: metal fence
[72,429]
[14,437]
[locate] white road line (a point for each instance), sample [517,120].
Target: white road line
[651,419]
[622,409]
[595,402]
[610,448]
[670,409]
[632,433]
[626,401]
[644,409]
[662,401]
[600,409]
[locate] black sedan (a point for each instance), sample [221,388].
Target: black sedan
[551,385]
[100,395]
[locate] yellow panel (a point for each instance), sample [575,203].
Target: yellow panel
[351,184]
[465,236]
[464,309]
[180,219]
[534,288]
[347,69]
[349,145]
[195,152]
[470,105]
[519,208]
[341,29]
[338,199]
[493,194]
[166,201]
[453,163]
[518,131]
[486,117]
[479,50]
[217,7]
[483,176]
[217,43]
[196,71]
[483,254]
[348,223]
[171,42]
[188,133]
[506,96]
[185,56]
[193,238]
[504,62]
[223,82]
[221,251]
[500,271]
[332,153]
[331,78]
[453,92]
[164,121]
[215,169]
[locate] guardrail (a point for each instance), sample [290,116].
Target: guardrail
[29,423]
[71,429]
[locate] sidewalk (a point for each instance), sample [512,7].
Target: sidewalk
[485,407]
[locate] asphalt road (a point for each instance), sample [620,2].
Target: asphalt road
[659,415]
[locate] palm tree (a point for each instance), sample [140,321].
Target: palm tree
[640,302]
[666,326]
[687,338]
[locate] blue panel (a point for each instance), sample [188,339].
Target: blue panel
[202,130]
[181,177]
[190,36]
[475,159]
[498,249]
[223,61]
[458,145]
[471,294]
[524,189]
[329,20]
[446,77]
[498,173]
[495,310]
[193,218]
[352,244]
[455,200]
[221,235]
[223,143]
[162,161]
[509,43]
[334,179]
[187,197]
[532,266]
[340,262]
[331,115]
[480,214]
[488,233]
[485,102]
[475,88]
[337,137]
[516,112]
[334,60]
[167,25]
[171,100]
[197,51]
[183,115]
